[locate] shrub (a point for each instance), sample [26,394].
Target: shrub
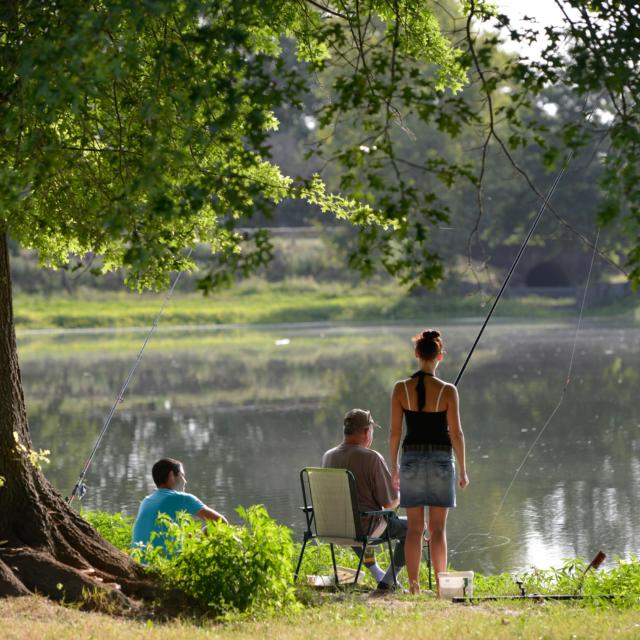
[250,568]
[113,527]
[622,580]
[227,568]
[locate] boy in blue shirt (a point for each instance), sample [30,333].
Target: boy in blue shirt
[169,498]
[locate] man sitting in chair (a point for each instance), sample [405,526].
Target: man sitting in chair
[373,484]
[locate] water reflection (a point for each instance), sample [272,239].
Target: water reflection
[245,414]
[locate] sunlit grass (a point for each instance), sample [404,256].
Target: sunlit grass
[252,341]
[251,302]
[350,617]
[259,302]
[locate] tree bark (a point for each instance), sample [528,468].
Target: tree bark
[45,546]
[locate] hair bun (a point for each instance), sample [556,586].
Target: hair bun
[428,344]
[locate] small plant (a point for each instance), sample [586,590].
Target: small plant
[622,581]
[97,600]
[115,528]
[503,584]
[618,585]
[35,458]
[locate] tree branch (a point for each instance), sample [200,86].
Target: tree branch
[326,9]
[492,133]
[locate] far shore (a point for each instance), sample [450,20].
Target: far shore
[289,304]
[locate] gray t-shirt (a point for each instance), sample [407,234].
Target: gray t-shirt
[373,479]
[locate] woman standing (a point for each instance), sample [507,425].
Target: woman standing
[426,475]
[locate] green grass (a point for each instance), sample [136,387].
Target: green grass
[296,302]
[626,308]
[354,617]
[258,302]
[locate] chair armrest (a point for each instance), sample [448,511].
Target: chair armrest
[385,513]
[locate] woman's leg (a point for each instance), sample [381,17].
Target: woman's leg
[413,546]
[438,538]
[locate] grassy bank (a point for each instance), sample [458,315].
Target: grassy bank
[354,617]
[347,614]
[258,302]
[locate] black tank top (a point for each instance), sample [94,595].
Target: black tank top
[425,427]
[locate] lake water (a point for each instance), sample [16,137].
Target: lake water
[246,410]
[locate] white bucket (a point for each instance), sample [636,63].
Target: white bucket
[455,584]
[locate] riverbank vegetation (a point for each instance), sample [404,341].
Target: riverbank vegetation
[306,282]
[248,569]
[257,302]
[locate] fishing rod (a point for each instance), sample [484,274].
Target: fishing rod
[537,219]
[523,595]
[540,597]
[79,489]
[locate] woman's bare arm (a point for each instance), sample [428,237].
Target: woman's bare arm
[455,433]
[395,432]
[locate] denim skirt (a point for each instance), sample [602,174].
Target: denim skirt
[427,478]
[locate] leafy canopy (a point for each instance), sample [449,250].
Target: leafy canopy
[133,130]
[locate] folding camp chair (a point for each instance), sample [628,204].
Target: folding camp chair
[333,516]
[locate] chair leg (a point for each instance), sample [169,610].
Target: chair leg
[335,568]
[393,566]
[304,544]
[364,550]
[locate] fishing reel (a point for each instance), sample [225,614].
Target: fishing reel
[79,491]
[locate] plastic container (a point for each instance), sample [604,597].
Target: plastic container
[455,584]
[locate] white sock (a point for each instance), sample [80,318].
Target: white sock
[387,578]
[376,571]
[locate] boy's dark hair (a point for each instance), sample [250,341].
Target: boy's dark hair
[160,470]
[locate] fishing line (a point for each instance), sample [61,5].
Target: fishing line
[80,488]
[525,242]
[503,540]
[563,392]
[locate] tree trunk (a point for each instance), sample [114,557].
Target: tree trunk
[45,546]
